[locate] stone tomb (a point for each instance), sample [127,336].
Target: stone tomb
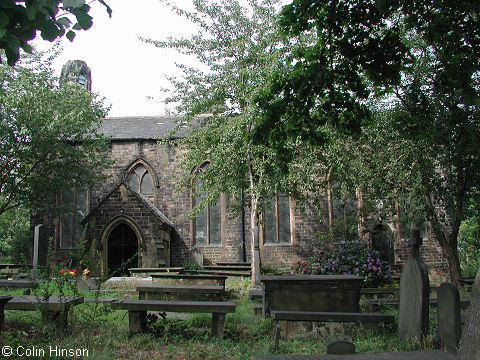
[339,293]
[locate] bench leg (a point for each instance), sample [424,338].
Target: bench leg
[218,325]
[137,322]
[277,329]
[57,318]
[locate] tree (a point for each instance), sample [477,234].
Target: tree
[20,20]
[48,135]
[425,56]
[239,47]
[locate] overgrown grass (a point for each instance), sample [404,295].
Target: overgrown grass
[104,334]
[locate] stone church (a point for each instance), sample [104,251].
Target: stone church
[136,214]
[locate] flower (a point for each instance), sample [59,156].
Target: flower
[86,272]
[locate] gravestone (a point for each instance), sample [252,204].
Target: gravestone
[470,343]
[448,316]
[340,347]
[197,256]
[414,294]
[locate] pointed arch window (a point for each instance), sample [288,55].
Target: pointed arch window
[140,180]
[76,206]
[207,223]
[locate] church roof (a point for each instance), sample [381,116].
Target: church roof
[141,127]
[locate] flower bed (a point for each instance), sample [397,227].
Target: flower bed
[351,258]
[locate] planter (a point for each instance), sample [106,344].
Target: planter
[336,293]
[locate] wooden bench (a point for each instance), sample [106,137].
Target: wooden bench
[137,312]
[167,292]
[359,318]
[18,284]
[54,310]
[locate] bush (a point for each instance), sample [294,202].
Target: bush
[469,246]
[352,258]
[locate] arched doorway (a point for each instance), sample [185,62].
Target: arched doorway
[122,250]
[382,242]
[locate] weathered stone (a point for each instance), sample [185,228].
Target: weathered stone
[340,347]
[414,295]
[470,343]
[448,315]
[3,300]
[311,293]
[197,256]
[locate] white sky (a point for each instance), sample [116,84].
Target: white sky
[126,71]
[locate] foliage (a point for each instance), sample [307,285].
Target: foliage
[237,48]
[20,20]
[413,63]
[191,266]
[15,236]
[48,135]
[351,258]
[270,269]
[469,246]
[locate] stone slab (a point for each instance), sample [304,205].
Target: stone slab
[448,316]
[411,355]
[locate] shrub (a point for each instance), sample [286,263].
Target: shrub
[351,258]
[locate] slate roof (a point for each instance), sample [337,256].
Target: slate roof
[141,127]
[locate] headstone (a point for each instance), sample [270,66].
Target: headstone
[448,316]
[197,256]
[470,343]
[340,347]
[414,295]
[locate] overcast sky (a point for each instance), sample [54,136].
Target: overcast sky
[126,71]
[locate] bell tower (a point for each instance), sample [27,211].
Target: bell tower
[76,71]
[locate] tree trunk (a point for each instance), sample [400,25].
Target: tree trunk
[453,261]
[470,343]
[254,228]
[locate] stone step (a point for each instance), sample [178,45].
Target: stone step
[228,268]
[226,263]
[226,273]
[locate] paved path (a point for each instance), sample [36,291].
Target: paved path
[411,355]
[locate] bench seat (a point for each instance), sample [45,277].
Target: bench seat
[181,292]
[55,310]
[137,312]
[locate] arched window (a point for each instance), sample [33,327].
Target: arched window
[276,219]
[76,206]
[140,180]
[207,222]
[81,80]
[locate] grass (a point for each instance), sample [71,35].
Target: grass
[104,335]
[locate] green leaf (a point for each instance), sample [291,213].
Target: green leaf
[4,19]
[73,3]
[64,22]
[3,31]
[27,48]
[49,31]
[31,13]
[70,35]
[13,43]
[83,19]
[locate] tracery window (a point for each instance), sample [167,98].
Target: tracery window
[140,180]
[276,220]
[207,224]
[76,206]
